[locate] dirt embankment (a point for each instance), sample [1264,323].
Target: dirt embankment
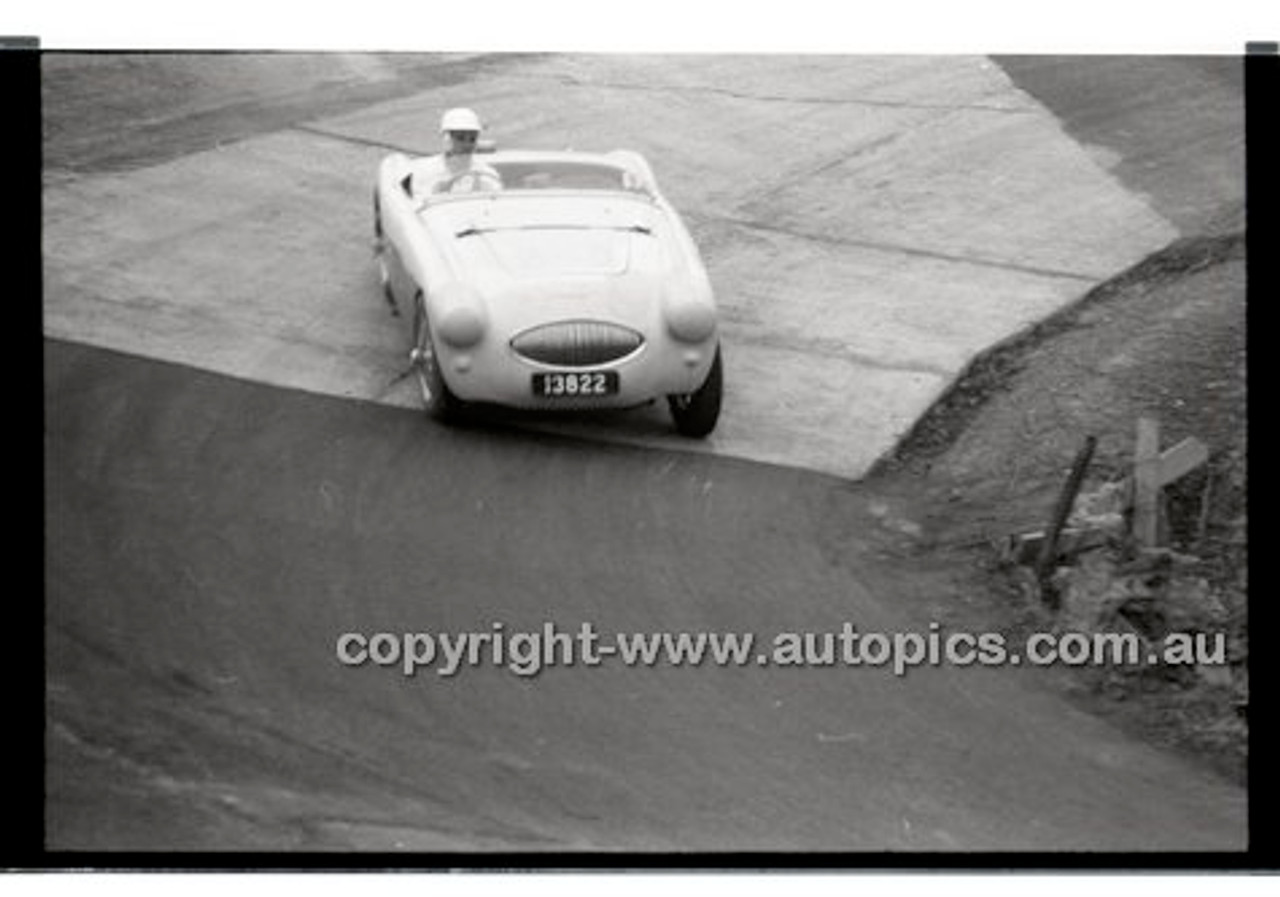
[1166,340]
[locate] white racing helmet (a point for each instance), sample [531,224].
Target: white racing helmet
[459,119]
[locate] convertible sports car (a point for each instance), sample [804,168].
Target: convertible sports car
[551,280]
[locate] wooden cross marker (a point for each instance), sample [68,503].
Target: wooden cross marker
[1153,470]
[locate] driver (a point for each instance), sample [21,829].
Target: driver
[456,169]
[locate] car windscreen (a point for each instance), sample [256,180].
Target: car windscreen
[565,176]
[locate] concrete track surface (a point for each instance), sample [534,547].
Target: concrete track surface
[209,538]
[869,225]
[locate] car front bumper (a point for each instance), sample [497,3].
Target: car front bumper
[492,372]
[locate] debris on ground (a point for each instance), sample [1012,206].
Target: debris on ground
[992,456]
[1096,518]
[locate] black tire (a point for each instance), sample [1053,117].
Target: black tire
[439,401]
[696,413]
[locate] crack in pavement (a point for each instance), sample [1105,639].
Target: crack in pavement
[837,349]
[747,224]
[828,165]
[360,141]
[574,81]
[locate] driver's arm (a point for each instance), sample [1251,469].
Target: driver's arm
[424,176]
[487,178]
[476,178]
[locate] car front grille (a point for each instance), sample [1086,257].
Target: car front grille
[577,344]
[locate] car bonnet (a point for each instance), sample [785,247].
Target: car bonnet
[522,237]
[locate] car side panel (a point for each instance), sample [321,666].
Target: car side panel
[423,263]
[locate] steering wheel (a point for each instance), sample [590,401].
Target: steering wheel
[478,178]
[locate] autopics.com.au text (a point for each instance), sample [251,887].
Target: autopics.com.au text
[529,652]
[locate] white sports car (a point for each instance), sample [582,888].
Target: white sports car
[565,282]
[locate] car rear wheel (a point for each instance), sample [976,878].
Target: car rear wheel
[439,401]
[696,413]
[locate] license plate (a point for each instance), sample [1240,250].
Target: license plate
[575,384]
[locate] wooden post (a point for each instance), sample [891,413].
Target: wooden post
[1152,471]
[1146,483]
[1066,500]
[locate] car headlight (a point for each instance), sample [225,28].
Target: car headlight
[461,327]
[690,320]
[460,318]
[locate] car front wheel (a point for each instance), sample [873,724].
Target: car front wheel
[696,413]
[380,251]
[439,401]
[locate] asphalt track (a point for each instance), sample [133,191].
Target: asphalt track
[208,538]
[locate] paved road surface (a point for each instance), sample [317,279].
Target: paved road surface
[210,539]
